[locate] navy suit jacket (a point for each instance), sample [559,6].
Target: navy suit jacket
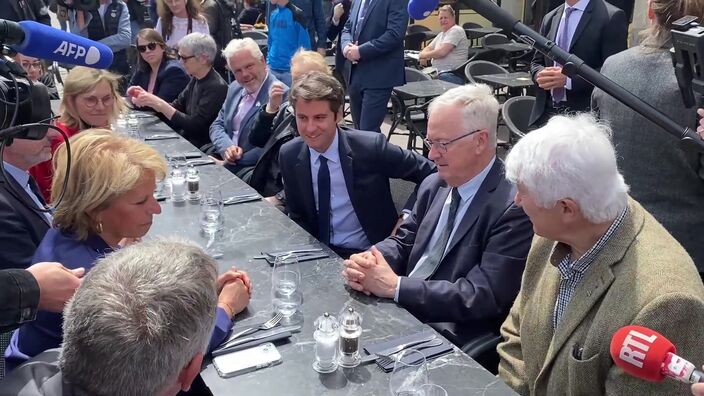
[367,162]
[21,229]
[171,79]
[380,40]
[602,31]
[477,280]
[221,130]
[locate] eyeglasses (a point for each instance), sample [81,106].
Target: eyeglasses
[184,58]
[442,146]
[92,101]
[151,47]
[36,65]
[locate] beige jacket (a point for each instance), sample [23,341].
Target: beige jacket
[642,276]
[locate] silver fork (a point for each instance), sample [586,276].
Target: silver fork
[389,359]
[269,324]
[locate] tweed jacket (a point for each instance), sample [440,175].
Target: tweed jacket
[642,276]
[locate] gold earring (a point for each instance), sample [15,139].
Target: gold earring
[99,227]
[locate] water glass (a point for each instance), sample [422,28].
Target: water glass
[432,390]
[286,295]
[212,220]
[133,127]
[121,123]
[410,374]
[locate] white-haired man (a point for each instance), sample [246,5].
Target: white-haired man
[151,301]
[599,262]
[245,96]
[457,260]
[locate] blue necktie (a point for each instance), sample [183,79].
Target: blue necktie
[361,15]
[437,251]
[324,201]
[35,189]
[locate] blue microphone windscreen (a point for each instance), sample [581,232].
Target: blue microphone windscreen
[45,42]
[421,9]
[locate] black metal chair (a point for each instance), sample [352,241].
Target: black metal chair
[399,104]
[476,54]
[516,114]
[494,38]
[482,67]
[472,36]
[254,34]
[483,350]
[416,29]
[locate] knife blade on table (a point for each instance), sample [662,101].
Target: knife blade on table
[162,136]
[397,348]
[200,161]
[259,336]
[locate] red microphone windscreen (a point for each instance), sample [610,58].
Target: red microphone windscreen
[640,352]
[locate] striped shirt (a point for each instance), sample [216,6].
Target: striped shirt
[572,272]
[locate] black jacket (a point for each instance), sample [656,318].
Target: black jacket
[19,296]
[270,132]
[32,10]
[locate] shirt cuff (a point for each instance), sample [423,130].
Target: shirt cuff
[398,288]
[568,83]
[223,325]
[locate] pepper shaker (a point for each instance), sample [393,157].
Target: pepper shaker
[193,183]
[350,333]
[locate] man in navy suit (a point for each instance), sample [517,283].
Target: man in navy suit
[456,262]
[593,30]
[341,174]
[22,225]
[372,42]
[245,96]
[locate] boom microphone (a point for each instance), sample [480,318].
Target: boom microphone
[648,355]
[574,66]
[45,42]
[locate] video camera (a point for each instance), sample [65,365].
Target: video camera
[687,54]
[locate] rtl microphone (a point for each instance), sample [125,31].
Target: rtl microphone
[648,355]
[45,42]
[420,9]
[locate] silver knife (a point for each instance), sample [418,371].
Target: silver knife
[259,336]
[390,351]
[200,161]
[162,136]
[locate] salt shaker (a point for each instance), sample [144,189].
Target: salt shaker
[326,336]
[350,333]
[193,182]
[178,185]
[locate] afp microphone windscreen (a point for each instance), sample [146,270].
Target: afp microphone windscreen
[420,9]
[45,42]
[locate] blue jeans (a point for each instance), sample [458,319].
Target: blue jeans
[451,77]
[283,76]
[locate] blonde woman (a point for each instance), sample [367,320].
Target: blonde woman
[108,202]
[91,100]
[178,18]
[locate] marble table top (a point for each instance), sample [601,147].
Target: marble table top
[253,227]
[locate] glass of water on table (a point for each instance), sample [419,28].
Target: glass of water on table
[212,220]
[286,295]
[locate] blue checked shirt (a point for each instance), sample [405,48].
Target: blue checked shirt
[572,272]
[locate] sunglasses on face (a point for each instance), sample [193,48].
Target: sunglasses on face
[184,58]
[151,47]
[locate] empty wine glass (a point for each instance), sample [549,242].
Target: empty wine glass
[286,296]
[212,220]
[410,373]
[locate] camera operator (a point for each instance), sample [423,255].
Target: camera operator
[664,176]
[25,10]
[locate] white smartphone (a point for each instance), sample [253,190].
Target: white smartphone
[247,360]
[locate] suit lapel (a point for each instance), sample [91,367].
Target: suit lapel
[368,11]
[347,165]
[306,184]
[475,208]
[555,23]
[432,216]
[583,21]
[596,282]
[24,196]
[233,111]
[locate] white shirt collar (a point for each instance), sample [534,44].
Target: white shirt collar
[331,154]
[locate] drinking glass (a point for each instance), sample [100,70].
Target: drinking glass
[286,296]
[410,373]
[133,126]
[212,220]
[432,390]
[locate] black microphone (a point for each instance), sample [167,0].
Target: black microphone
[10,32]
[573,65]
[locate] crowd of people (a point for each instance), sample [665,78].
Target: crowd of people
[589,224]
